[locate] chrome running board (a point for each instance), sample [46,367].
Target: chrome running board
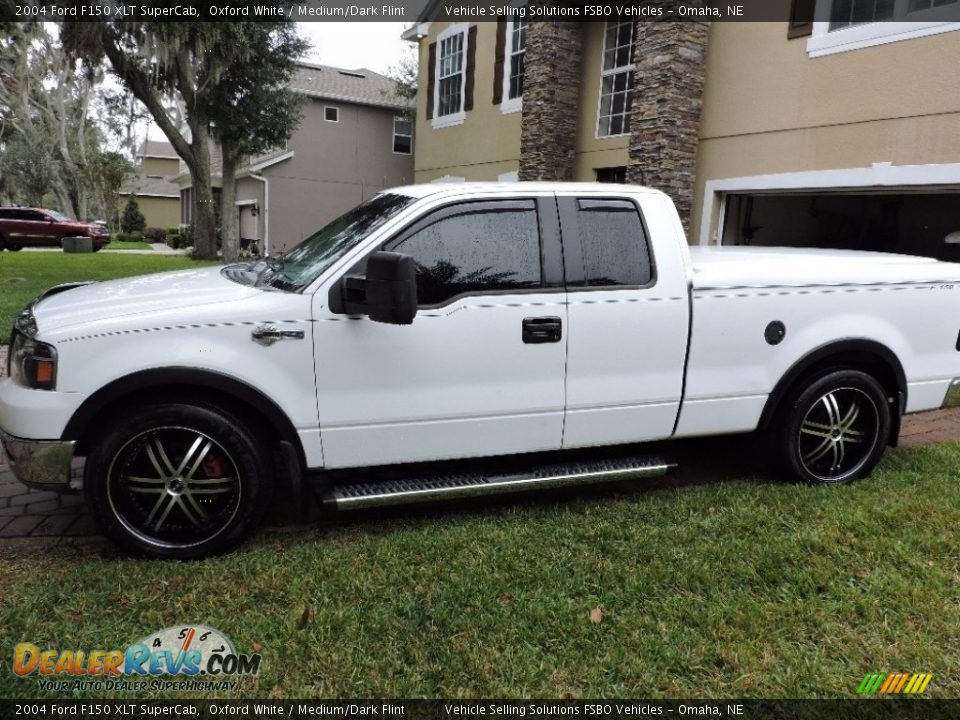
[354,495]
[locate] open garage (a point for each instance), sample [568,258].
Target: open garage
[912,222]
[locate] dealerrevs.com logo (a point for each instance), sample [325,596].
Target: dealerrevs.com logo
[184,657]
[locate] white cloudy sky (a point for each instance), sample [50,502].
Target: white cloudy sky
[353,45]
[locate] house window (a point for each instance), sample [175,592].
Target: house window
[612,175]
[844,13]
[331,114]
[518,48]
[451,75]
[848,25]
[402,135]
[616,89]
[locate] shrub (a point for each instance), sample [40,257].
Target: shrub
[136,236]
[132,219]
[186,236]
[173,240]
[173,230]
[120,237]
[155,235]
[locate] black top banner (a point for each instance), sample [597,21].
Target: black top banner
[837,13]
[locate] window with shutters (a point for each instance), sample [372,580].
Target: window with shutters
[616,88]
[450,76]
[513,65]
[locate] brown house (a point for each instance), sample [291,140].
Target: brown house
[355,140]
[839,132]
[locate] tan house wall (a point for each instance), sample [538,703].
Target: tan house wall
[594,152]
[487,143]
[769,108]
[159,167]
[160,212]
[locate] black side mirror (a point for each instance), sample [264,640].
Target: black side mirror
[387,294]
[391,288]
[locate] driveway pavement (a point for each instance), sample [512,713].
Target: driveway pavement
[42,514]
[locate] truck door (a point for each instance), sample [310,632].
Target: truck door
[481,369]
[628,319]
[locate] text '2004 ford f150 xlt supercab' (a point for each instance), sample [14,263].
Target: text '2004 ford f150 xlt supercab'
[495,325]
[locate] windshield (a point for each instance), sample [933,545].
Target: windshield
[298,267]
[57,216]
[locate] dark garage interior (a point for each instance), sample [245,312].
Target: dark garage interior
[911,223]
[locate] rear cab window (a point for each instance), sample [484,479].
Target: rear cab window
[606,244]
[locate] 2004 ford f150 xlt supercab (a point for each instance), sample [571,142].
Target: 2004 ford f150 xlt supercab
[460,322]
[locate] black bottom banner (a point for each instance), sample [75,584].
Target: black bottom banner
[881,709]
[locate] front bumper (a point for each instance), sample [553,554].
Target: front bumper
[42,464]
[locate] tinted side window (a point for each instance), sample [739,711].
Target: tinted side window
[5,214]
[32,215]
[614,245]
[475,252]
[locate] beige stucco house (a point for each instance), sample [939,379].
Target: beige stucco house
[815,130]
[355,139]
[158,197]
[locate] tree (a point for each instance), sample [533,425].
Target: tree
[253,108]
[45,115]
[132,219]
[157,60]
[108,171]
[404,76]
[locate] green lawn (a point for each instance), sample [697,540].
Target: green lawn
[127,245]
[746,588]
[24,275]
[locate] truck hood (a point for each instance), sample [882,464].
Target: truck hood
[138,295]
[736,267]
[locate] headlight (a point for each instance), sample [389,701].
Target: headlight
[32,363]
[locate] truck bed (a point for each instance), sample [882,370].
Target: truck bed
[755,267]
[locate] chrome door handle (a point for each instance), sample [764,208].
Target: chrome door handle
[268,335]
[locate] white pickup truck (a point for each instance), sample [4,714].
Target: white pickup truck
[496,325]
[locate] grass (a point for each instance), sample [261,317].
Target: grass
[24,275]
[746,588]
[127,245]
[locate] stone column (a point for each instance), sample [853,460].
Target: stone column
[551,94]
[667,103]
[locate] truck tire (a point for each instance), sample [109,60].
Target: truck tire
[177,480]
[834,429]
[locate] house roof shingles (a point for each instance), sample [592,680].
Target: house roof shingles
[157,149]
[146,186]
[363,86]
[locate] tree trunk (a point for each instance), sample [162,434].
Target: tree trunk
[229,219]
[204,214]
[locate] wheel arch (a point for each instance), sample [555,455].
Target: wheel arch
[866,355]
[192,383]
